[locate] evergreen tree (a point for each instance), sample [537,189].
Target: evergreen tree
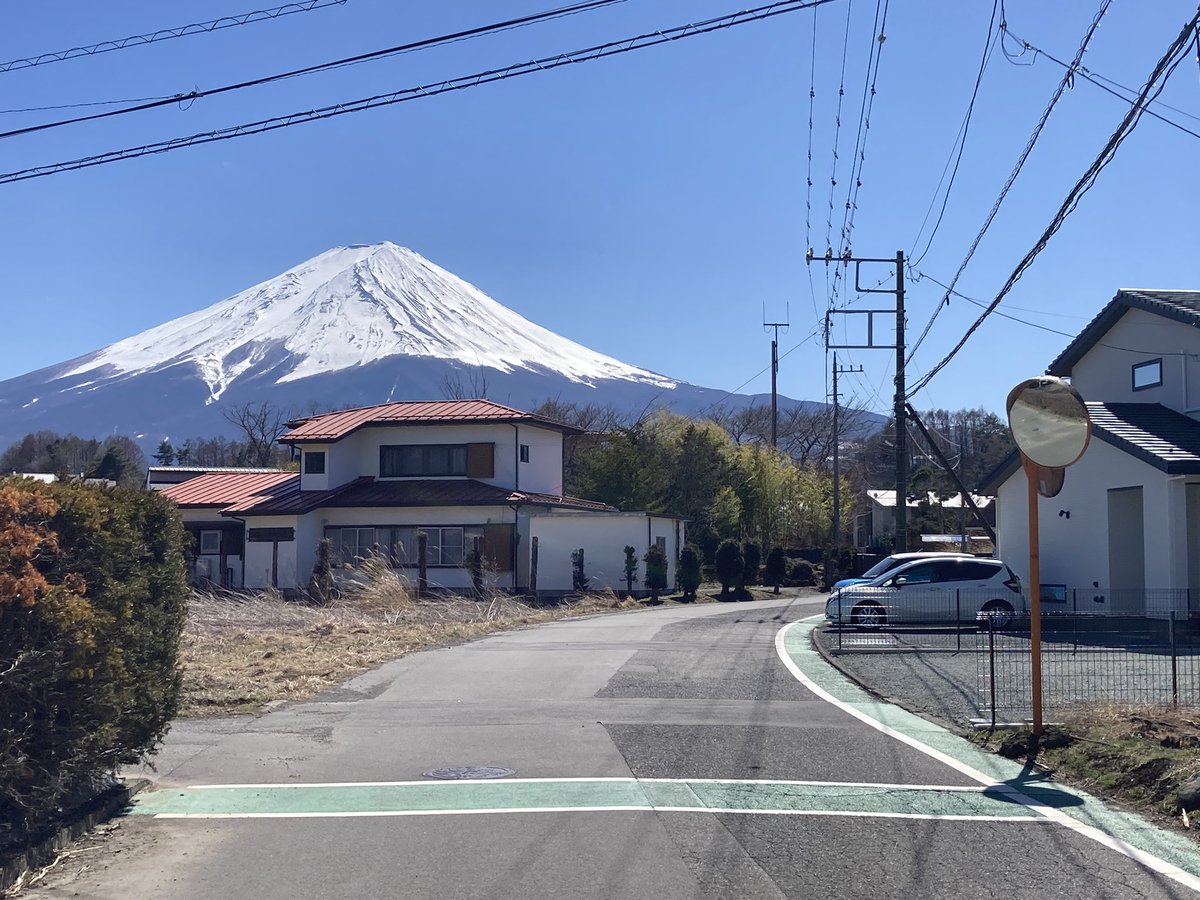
[165,454]
[656,570]
[776,569]
[689,572]
[631,566]
[752,559]
[729,565]
[113,465]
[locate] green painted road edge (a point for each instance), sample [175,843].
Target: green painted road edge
[1129,828]
[533,795]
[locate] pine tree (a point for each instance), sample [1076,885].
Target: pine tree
[656,570]
[689,572]
[776,569]
[729,565]
[165,454]
[631,567]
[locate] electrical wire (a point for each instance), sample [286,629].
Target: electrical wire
[878,36]
[29,109]
[960,140]
[1155,84]
[1090,78]
[812,96]
[1012,177]
[140,40]
[545,64]
[373,55]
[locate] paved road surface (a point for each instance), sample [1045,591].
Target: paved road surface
[660,754]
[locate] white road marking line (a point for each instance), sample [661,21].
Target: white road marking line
[711,810]
[574,780]
[1148,860]
[427,782]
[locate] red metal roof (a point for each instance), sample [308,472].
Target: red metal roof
[221,489]
[286,499]
[336,425]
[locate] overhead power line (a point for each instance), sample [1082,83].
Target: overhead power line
[192,96]
[164,34]
[1155,83]
[1092,78]
[960,141]
[545,64]
[1012,177]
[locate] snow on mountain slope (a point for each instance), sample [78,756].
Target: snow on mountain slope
[345,308]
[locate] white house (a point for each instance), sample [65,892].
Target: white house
[1123,536]
[876,524]
[370,479]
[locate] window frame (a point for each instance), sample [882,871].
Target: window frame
[446,548]
[208,532]
[524,454]
[1133,374]
[311,456]
[395,453]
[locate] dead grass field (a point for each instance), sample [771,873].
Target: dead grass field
[240,652]
[1138,756]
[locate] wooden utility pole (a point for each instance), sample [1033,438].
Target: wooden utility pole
[775,373]
[837,473]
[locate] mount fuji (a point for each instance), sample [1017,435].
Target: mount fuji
[353,326]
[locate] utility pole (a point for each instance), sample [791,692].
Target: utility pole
[837,473]
[775,370]
[901,423]
[899,399]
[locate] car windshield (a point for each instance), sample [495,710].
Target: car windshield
[884,565]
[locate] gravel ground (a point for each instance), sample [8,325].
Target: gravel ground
[948,676]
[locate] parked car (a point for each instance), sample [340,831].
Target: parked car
[888,563]
[934,591]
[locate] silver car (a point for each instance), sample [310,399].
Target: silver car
[947,590]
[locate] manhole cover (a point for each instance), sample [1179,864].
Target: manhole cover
[461,773]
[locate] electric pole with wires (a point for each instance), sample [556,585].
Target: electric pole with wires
[899,414]
[775,369]
[837,472]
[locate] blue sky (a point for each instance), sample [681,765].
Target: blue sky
[650,206]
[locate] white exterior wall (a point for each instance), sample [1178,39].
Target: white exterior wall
[315,482]
[358,453]
[543,474]
[258,556]
[1074,551]
[1106,374]
[603,537]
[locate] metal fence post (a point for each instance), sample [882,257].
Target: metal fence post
[841,620]
[1174,660]
[957,620]
[992,666]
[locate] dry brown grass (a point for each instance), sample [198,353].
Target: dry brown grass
[240,652]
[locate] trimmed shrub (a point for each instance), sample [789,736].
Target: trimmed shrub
[90,624]
[321,584]
[752,559]
[729,565]
[688,572]
[579,578]
[656,570]
[776,569]
[803,574]
[631,567]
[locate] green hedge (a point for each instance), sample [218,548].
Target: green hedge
[89,660]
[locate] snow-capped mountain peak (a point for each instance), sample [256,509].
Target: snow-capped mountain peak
[345,308]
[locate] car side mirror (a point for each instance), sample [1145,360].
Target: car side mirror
[900,581]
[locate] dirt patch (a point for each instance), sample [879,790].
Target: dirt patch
[1138,756]
[240,652]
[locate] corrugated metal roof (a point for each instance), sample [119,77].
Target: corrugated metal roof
[286,499]
[221,489]
[202,469]
[336,425]
[366,492]
[1181,306]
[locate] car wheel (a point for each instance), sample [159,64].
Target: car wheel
[998,612]
[868,615]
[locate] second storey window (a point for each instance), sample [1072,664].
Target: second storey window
[314,462]
[1147,375]
[417,460]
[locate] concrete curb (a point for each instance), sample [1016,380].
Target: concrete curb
[48,842]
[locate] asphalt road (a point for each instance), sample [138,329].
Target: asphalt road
[657,754]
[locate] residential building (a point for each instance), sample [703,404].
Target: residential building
[1123,535]
[466,473]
